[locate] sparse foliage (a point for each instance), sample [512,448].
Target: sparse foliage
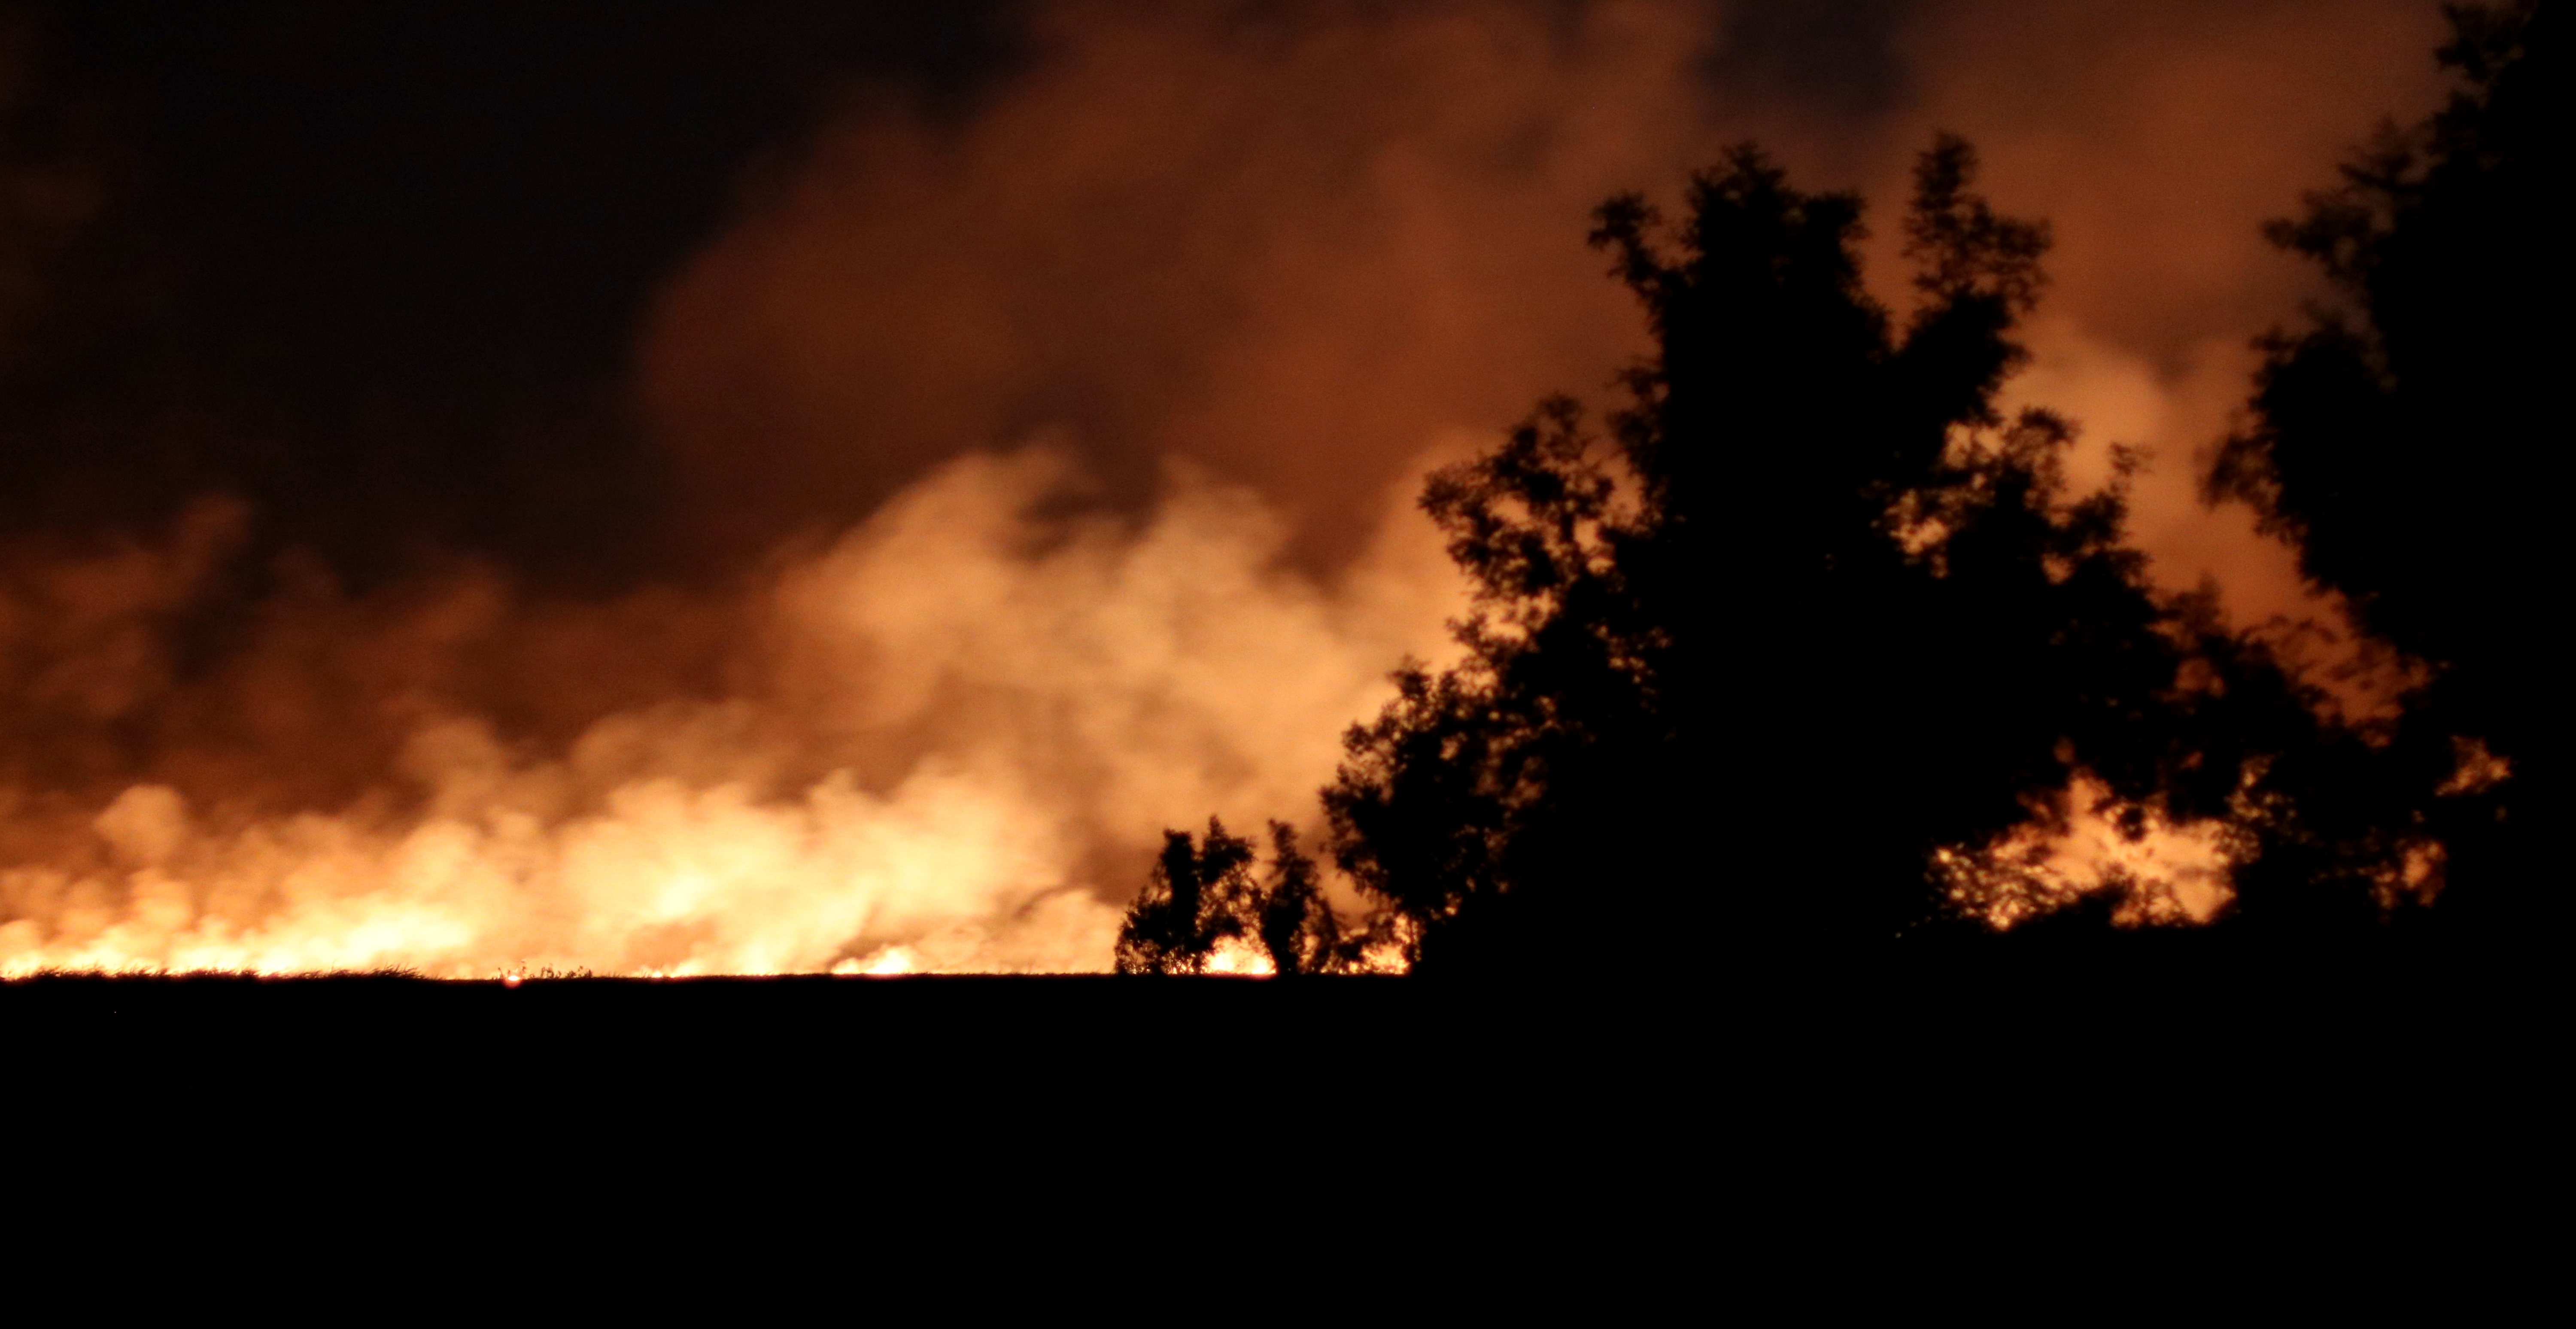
[1205,892]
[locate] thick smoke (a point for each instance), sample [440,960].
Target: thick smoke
[933,740]
[1072,442]
[1294,250]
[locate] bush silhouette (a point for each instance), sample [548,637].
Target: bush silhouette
[1203,893]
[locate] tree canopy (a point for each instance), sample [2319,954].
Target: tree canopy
[1780,650]
[2401,439]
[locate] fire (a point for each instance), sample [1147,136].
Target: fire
[949,739]
[2172,873]
[941,743]
[1237,958]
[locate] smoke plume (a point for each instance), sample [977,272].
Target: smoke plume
[1050,464]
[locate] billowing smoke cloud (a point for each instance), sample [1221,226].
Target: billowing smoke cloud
[1071,441]
[1292,249]
[946,740]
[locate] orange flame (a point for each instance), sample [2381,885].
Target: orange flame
[1115,683]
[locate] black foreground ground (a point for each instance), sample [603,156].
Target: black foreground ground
[1806,1066]
[2139,991]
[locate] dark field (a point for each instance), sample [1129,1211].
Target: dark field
[1335,1089]
[2142,989]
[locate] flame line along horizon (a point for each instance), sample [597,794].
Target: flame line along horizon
[687,840]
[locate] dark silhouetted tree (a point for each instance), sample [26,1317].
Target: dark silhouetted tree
[1188,906]
[1813,611]
[1203,892]
[2408,439]
[1779,656]
[1292,918]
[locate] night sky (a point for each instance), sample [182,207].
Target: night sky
[379,268]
